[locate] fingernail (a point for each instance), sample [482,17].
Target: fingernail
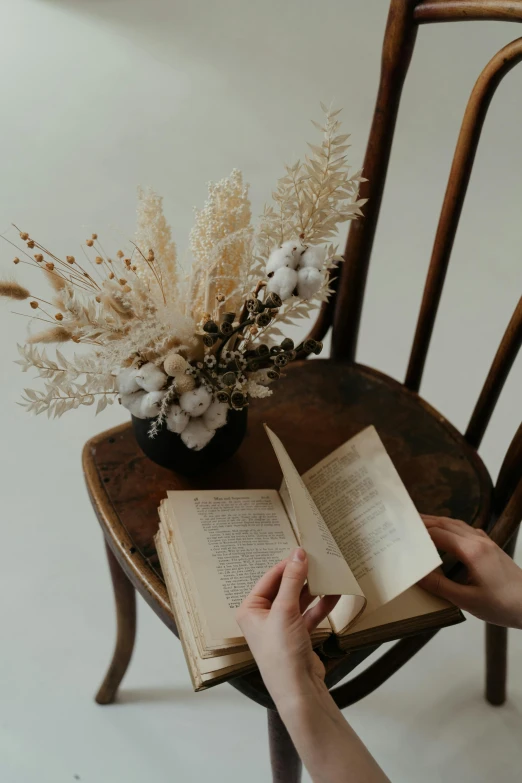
[299,555]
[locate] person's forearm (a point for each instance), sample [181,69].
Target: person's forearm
[328,746]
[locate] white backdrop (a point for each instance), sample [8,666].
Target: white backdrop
[101,96]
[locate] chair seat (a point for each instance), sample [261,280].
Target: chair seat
[316,407]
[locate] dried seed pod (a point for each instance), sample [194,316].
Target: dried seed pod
[16,260]
[94,236]
[229,378]
[254,365]
[238,400]
[226,328]
[275,349]
[273,300]
[30,243]
[262,350]
[98,260]
[263,319]
[287,344]
[273,373]
[50,266]
[229,317]
[210,326]
[253,305]
[38,257]
[223,396]
[70,259]
[210,339]
[184,383]
[174,363]
[34,305]
[24,235]
[59,317]
[281,360]
[89,242]
[120,254]
[310,346]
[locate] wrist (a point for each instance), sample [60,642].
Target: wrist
[299,695]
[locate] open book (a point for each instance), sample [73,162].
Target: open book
[363,536]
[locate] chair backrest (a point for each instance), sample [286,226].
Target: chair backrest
[343,312]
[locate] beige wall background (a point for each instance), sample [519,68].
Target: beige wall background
[99,96]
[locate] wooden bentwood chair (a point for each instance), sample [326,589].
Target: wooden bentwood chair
[324,402]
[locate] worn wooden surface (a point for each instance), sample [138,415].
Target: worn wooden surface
[319,405]
[286,764]
[428,11]
[502,363]
[399,40]
[474,116]
[125,600]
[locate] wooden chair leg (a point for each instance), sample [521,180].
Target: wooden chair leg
[496,653]
[125,597]
[286,764]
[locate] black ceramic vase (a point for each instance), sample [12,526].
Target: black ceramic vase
[168,450]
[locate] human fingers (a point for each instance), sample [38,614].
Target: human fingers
[464,548]
[305,599]
[440,585]
[319,611]
[267,587]
[446,523]
[293,579]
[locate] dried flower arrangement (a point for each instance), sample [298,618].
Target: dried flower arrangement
[182,350]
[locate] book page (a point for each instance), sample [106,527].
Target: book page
[230,538]
[328,571]
[201,669]
[414,602]
[373,520]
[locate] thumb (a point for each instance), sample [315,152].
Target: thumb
[294,577]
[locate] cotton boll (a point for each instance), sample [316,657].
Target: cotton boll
[177,419]
[279,259]
[196,401]
[283,282]
[295,248]
[216,415]
[151,378]
[151,403]
[313,257]
[309,281]
[196,435]
[133,403]
[126,380]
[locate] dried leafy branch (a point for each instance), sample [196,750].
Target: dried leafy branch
[216,331]
[314,196]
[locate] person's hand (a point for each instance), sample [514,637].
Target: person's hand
[277,622]
[494,586]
